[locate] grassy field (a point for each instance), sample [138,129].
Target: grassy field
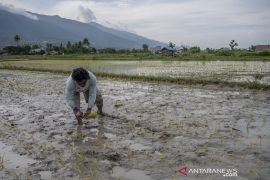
[235,56]
[250,74]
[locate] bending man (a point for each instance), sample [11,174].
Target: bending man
[83,81]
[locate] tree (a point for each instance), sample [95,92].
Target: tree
[86,42]
[56,48]
[195,49]
[172,45]
[145,47]
[252,48]
[184,48]
[79,44]
[210,50]
[68,45]
[34,46]
[17,38]
[17,49]
[61,48]
[49,47]
[232,44]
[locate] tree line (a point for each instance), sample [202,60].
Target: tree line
[85,47]
[80,47]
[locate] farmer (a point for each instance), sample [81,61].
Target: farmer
[84,81]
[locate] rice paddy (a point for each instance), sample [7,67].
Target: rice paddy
[226,72]
[168,117]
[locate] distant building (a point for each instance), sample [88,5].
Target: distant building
[224,49]
[168,51]
[155,49]
[2,52]
[262,47]
[38,50]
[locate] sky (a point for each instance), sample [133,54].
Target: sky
[204,23]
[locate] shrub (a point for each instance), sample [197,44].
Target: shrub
[224,53]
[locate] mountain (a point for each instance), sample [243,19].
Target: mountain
[56,29]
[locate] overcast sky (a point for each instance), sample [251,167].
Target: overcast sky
[206,23]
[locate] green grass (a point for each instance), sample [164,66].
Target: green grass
[235,56]
[118,57]
[186,81]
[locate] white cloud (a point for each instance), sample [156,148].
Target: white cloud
[12,9]
[86,15]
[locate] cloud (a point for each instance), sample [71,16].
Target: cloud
[12,9]
[86,15]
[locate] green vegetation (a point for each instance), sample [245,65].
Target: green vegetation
[17,38]
[84,50]
[194,54]
[233,44]
[2,166]
[102,56]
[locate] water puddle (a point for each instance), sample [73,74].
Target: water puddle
[13,160]
[133,174]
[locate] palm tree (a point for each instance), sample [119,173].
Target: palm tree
[86,42]
[172,45]
[17,38]
[232,44]
[68,45]
[145,47]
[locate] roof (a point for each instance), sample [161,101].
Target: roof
[168,49]
[262,47]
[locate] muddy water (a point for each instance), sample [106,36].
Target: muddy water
[149,131]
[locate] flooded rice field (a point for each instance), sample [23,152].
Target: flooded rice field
[229,71]
[149,130]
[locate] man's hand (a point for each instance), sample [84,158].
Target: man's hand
[78,115]
[87,113]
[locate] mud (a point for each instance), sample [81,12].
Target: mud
[149,131]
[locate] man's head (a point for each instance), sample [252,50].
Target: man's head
[80,75]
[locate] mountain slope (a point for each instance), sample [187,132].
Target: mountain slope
[57,29]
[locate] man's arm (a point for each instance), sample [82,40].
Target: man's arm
[92,92]
[69,93]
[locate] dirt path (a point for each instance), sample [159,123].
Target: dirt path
[150,131]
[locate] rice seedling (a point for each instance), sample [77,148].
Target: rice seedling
[258,76]
[92,174]
[79,171]
[130,152]
[89,116]
[59,158]
[118,104]
[170,162]
[255,172]
[161,156]
[2,166]
[48,145]
[77,154]
[148,152]
[154,137]
[28,147]
[131,123]
[12,174]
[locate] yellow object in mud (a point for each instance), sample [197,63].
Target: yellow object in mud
[90,116]
[118,103]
